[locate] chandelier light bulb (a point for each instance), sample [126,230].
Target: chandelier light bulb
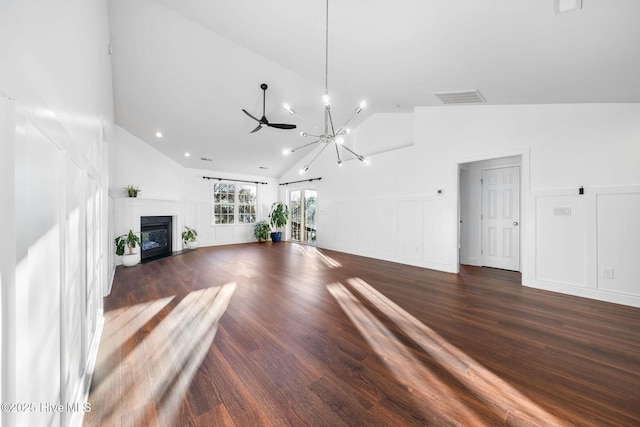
[339,162]
[286,152]
[347,131]
[363,104]
[304,169]
[288,108]
[325,99]
[366,161]
[340,140]
[304,134]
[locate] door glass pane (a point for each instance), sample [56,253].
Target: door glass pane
[295,215]
[310,215]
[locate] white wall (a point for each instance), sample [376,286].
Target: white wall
[57,110]
[392,210]
[168,187]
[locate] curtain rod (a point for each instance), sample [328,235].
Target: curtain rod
[302,180]
[235,180]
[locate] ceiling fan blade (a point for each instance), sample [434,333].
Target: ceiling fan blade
[249,114]
[256,129]
[281,126]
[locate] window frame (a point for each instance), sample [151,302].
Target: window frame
[234,192]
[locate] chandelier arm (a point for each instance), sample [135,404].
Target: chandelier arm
[338,154]
[344,126]
[317,154]
[305,145]
[358,156]
[306,121]
[333,132]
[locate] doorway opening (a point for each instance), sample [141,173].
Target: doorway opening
[302,213]
[489,213]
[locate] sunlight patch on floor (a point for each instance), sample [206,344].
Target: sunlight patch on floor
[156,372]
[310,251]
[356,299]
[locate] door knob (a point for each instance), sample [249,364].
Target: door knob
[515,223]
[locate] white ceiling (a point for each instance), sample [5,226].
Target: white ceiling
[188,68]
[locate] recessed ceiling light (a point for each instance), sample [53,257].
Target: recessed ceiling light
[159,134]
[561,6]
[187,154]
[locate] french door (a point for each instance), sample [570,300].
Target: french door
[302,213]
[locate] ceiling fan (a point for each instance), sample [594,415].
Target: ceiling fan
[263,120]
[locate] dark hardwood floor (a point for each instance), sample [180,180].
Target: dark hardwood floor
[288,335]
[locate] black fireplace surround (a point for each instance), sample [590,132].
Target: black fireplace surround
[156,234]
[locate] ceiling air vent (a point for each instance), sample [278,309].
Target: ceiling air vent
[205,159]
[460,97]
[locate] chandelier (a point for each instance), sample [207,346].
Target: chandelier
[329,135]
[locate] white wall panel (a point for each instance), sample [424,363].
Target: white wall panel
[561,239]
[366,227]
[436,238]
[387,229]
[410,233]
[618,239]
[38,282]
[74,279]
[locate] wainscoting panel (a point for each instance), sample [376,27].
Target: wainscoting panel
[387,228]
[618,236]
[410,233]
[587,245]
[367,227]
[561,240]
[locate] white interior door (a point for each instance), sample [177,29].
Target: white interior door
[501,218]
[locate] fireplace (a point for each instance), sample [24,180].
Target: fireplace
[156,239]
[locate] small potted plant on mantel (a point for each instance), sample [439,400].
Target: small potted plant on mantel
[279,215]
[132,191]
[261,230]
[130,240]
[190,237]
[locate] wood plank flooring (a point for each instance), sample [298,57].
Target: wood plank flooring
[290,335]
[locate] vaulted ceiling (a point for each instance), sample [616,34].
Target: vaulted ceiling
[188,68]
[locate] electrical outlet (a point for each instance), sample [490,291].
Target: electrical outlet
[607,273]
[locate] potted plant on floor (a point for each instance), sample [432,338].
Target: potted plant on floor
[261,230]
[129,240]
[279,215]
[190,237]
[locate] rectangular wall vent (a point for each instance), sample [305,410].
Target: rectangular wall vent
[460,97]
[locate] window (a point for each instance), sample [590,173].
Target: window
[233,203]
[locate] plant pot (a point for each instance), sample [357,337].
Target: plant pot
[192,245]
[130,260]
[276,236]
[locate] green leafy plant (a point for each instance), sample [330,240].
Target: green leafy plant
[189,235]
[261,230]
[132,191]
[130,240]
[279,215]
